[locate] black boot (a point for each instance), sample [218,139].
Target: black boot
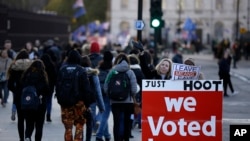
[49,118]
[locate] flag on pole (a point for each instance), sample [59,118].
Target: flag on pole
[79,9]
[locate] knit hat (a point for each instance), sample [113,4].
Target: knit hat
[189,61]
[94,48]
[107,56]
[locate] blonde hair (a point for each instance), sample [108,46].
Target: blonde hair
[157,68]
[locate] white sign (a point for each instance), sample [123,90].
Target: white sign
[139,24]
[186,85]
[185,72]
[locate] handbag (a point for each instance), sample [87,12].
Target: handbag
[3,74]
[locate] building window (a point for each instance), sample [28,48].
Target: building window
[124,4]
[198,4]
[180,5]
[219,4]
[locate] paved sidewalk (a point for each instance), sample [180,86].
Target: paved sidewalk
[53,131]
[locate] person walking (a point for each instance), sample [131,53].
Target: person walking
[8,45]
[17,67]
[95,56]
[36,76]
[51,71]
[135,67]
[122,109]
[96,96]
[5,62]
[73,93]
[224,72]
[104,68]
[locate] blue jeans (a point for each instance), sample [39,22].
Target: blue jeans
[49,103]
[4,87]
[92,118]
[103,129]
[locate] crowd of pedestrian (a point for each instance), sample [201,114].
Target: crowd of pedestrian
[47,67]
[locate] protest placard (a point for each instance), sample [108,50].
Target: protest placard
[182,110]
[185,72]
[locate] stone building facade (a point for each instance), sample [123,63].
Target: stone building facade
[214,19]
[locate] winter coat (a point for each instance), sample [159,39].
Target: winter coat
[139,77]
[123,67]
[14,74]
[95,58]
[4,66]
[98,93]
[39,81]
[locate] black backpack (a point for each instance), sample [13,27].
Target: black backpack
[119,86]
[29,98]
[67,89]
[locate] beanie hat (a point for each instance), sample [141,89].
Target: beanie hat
[189,61]
[107,56]
[94,48]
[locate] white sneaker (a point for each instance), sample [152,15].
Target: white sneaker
[235,92]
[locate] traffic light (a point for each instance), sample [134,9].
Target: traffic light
[156,14]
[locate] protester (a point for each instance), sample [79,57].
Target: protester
[163,69]
[72,115]
[5,62]
[122,110]
[104,68]
[191,62]
[90,115]
[224,72]
[51,71]
[18,66]
[36,76]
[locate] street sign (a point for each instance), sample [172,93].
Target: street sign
[139,25]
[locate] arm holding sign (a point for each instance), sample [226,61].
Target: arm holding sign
[191,62]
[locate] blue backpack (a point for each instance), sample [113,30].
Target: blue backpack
[29,98]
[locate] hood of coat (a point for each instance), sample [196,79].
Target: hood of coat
[136,66]
[122,67]
[21,64]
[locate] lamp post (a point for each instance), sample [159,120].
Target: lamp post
[248,12]
[139,32]
[237,20]
[179,16]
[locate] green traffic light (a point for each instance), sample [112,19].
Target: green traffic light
[155,22]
